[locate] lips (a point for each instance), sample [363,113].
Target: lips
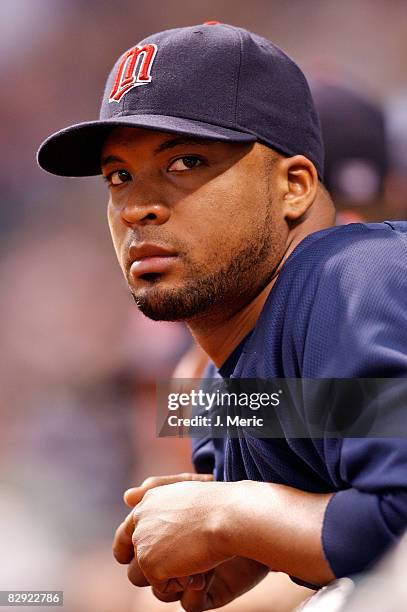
[149,259]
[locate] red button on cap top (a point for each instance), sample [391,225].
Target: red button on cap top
[211,23]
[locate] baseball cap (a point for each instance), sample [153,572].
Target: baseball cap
[213,81]
[355,141]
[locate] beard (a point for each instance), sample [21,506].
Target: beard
[203,295]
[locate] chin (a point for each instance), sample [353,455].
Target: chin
[169,303]
[159,312]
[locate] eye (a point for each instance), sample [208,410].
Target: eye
[187,162]
[118,177]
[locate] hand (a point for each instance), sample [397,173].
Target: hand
[226,582]
[134,495]
[181,529]
[123,549]
[189,528]
[221,585]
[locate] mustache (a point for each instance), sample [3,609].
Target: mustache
[170,243]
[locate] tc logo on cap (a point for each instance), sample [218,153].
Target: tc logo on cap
[134,69]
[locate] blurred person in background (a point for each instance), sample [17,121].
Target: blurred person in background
[396,180]
[356,151]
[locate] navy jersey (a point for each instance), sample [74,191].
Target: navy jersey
[337,310]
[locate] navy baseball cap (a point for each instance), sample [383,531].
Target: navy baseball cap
[212,81]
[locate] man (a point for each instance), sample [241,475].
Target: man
[211,149]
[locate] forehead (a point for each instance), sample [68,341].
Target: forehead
[146,141]
[138,137]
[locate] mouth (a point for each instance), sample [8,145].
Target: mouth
[149,261]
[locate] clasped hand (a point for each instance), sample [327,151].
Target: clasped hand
[177,540]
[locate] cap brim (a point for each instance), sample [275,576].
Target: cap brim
[76,150]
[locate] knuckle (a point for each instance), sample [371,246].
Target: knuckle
[158,574]
[134,538]
[151,570]
[119,548]
[157,578]
[143,560]
[149,482]
[119,555]
[166,597]
[135,576]
[147,495]
[136,514]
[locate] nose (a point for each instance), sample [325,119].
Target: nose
[153,213]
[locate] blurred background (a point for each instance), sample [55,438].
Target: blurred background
[78,361]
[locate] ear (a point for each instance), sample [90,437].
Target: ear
[299,186]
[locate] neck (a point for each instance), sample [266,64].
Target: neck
[220,334]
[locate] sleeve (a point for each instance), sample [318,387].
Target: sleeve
[361,522]
[208,456]
[358,329]
[203,455]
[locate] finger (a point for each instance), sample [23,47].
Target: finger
[135,575]
[173,585]
[194,601]
[134,495]
[167,597]
[209,578]
[123,549]
[197,582]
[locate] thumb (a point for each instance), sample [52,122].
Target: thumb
[134,495]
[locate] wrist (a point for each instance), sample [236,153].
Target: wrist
[231,529]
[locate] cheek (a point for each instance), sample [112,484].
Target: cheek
[116,229]
[219,222]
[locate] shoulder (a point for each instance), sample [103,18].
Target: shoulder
[348,288]
[349,260]
[339,262]
[354,248]
[338,306]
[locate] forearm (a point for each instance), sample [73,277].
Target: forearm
[279,526]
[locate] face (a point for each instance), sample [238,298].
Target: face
[196,225]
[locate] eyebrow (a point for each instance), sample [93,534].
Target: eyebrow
[164,146]
[181,140]
[111,158]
